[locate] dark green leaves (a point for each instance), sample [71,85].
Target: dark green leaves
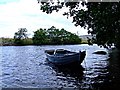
[54,36]
[20,36]
[102,19]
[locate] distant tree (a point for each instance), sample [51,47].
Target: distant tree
[20,36]
[61,36]
[102,19]
[54,36]
[40,37]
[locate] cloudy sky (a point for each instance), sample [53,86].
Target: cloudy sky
[16,14]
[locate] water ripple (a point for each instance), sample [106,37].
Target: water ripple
[26,66]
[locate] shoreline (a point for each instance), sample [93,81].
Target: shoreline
[37,45]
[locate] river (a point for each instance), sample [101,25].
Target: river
[26,67]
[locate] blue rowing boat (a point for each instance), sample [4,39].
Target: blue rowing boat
[65,57]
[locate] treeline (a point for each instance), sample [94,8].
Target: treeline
[50,36]
[54,36]
[21,37]
[6,41]
[11,42]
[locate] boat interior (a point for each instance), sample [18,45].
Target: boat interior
[58,51]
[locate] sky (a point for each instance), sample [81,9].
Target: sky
[16,14]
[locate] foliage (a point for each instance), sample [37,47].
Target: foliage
[27,41]
[102,19]
[6,41]
[20,36]
[54,36]
[10,41]
[40,37]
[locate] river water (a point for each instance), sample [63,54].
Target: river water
[27,67]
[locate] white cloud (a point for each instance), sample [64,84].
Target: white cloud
[26,13]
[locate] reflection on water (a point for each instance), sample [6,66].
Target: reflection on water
[26,67]
[70,74]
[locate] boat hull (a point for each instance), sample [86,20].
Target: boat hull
[65,59]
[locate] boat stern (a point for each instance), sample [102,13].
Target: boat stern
[82,56]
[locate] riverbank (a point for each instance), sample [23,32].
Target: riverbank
[6,41]
[28,41]
[10,42]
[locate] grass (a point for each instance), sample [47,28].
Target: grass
[10,41]
[84,42]
[28,41]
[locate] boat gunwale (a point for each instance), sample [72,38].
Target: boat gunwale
[64,55]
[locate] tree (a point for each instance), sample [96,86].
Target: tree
[54,36]
[20,36]
[102,19]
[40,37]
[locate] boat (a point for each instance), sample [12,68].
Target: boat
[65,57]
